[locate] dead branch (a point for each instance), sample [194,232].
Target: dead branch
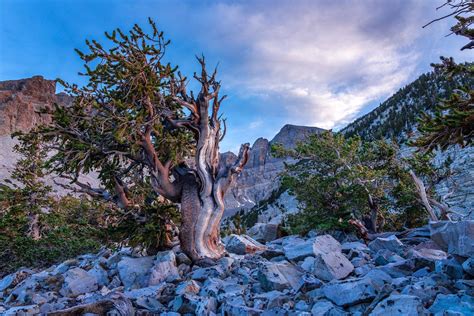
[421,190]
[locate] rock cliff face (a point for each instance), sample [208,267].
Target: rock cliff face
[21,101]
[260,176]
[20,104]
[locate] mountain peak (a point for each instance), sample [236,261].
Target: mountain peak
[290,135]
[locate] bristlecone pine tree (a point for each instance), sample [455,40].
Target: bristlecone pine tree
[136,125]
[453,120]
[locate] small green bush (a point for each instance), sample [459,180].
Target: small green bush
[69,228]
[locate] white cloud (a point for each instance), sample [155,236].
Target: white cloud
[320,60]
[256,124]
[324,62]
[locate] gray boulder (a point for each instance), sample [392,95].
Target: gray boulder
[264,232]
[150,291]
[22,310]
[389,243]
[326,244]
[378,278]
[350,292]
[190,286]
[239,310]
[308,264]
[7,281]
[202,274]
[182,258]
[326,308]
[164,268]
[150,304]
[280,276]
[135,272]
[468,266]
[451,267]
[77,281]
[426,257]
[454,237]
[354,245]
[193,304]
[426,294]
[243,244]
[99,274]
[399,269]
[397,304]
[452,304]
[211,287]
[273,299]
[332,265]
[299,249]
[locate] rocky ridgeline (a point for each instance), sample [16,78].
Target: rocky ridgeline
[259,177]
[424,271]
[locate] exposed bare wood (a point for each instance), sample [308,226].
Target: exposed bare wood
[114,301]
[203,189]
[421,190]
[360,228]
[33,227]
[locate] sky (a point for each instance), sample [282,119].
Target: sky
[316,63]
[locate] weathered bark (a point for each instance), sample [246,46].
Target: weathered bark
[202,207]
[374,212]
[33,227]
[203,188]
[114,301]
[420,186]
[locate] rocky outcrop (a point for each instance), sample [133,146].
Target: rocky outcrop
[260,175]
[22,100]
[269,281]
[290,135]
[454,237]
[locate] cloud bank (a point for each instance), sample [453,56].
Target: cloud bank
[320,61]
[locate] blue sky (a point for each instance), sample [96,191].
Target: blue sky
[318,63]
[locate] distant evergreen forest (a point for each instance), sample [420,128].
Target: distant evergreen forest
[396,118]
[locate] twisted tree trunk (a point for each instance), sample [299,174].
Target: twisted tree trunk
[203,188]
[202,201]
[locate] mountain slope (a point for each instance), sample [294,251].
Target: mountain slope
[397,116]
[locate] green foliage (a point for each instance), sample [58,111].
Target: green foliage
[69,227]
[150,227]
[126,102]
[452,121]
[337,179]
[38,230]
